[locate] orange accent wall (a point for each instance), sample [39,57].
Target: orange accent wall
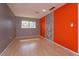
[42,26]
[63,33]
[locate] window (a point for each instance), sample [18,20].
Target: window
[28,24]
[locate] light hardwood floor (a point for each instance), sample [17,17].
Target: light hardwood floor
[35,47]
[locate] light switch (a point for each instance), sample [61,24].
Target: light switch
[71,25]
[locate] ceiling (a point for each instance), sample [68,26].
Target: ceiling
[33,10]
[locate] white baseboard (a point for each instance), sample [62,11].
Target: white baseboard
[47,40]
[61,46]
[65,48]
[7,47]
[21,37]
[27,40]
[42,37]
[14,40]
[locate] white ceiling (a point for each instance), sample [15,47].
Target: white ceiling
[29,9]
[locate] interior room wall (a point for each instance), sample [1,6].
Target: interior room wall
[49,25]
[42,26]
[7,26]
[26,32]
[78,28]
[66,26]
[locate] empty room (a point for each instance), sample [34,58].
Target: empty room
[39,29]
